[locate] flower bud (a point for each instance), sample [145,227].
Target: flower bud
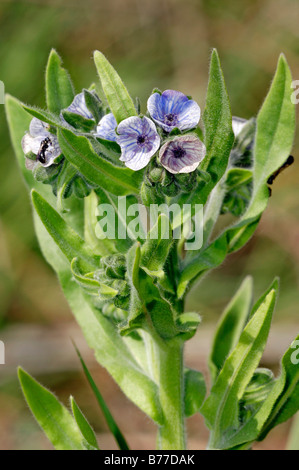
[114,266]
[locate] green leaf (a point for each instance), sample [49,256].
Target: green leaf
[230,327]
[106,412]
[195,391]
[78,122]
[70,243]
[155,250]
[99,246]
[44,115]
[115,91]
[93,104]
[55,420]
[236,177]
[95,168]
[210,258]
[221,409]
[287,404]
[59,88]
[84,426]
[219,136]
[274,136]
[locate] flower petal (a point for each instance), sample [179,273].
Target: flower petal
[154,107]
[137,153]
[172,101]
[192,149]
[38,128]
[173,109]
[78,106]
[189,115]
[106,127]
[238,124]
[31,144]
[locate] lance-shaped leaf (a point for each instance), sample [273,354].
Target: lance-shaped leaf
[195,391]
[106,412]
[274,136]
[55,420]
[90,440]
[44,115]
[230,326]
[95,168]
[221,409]
[280,404]
[59,88]
[219,136]
[70,243]
[115,91]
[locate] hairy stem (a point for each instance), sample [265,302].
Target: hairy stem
[171,434]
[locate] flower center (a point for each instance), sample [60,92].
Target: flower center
[170,119]
[140,139]
[178,152]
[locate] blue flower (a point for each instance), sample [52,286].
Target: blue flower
[139,141]
[42,143]
[183,154]
[78,106]
[106,128]
[173,109]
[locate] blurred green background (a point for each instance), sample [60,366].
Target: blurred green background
[152,43]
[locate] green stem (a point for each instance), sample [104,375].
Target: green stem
[171,434]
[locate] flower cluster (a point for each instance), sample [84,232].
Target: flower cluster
[139,138]
[164,133]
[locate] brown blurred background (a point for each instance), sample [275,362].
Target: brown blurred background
[152,43]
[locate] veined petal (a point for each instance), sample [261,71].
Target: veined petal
[189,115]
[106,127]
[172,101]
[78,106]
[173,109]
[183,154]
[139,141]
[154,106]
